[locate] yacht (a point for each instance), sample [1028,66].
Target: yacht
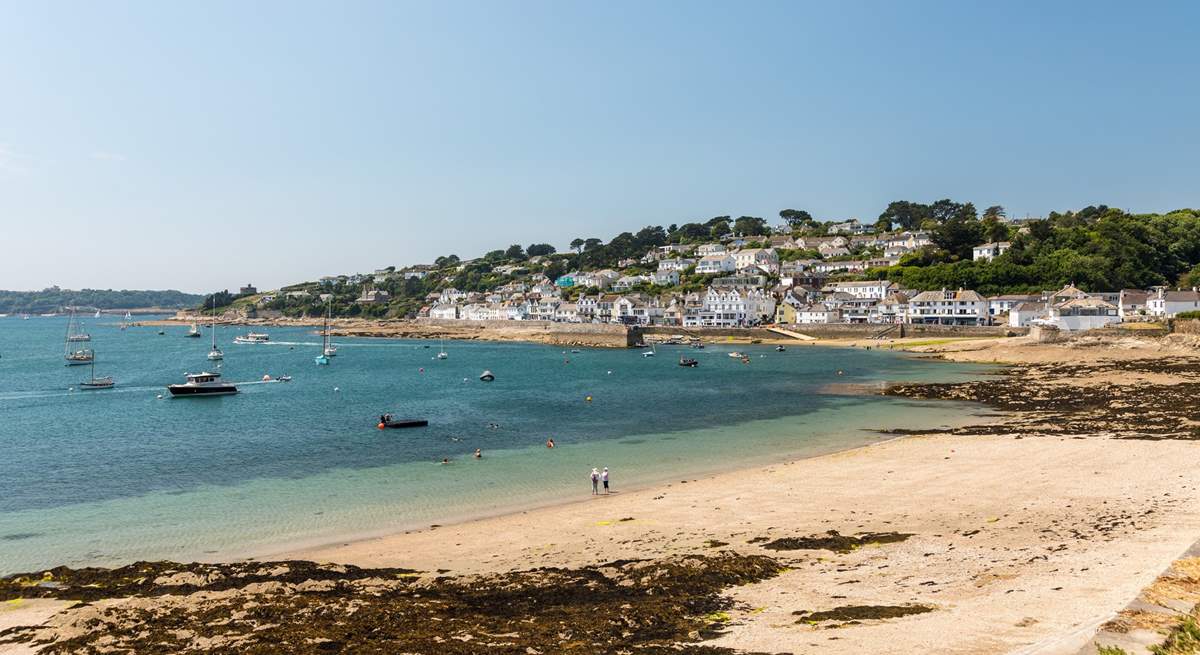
[215,355]
[75,331]
[442,354]
[328,349]
[75,356]
[202,384]
[252,337]
[105,382]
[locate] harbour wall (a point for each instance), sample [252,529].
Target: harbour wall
[845,331]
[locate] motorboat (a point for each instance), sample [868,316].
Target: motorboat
[193,331]
[202,384]
[688,362]
[487,376]
[780,348]
[252,337]
[736,355]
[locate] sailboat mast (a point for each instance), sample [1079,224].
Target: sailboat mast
[214,324]
[67,339]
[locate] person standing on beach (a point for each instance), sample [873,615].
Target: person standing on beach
[595,481]
[604,479]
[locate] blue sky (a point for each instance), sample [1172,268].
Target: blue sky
[206,145]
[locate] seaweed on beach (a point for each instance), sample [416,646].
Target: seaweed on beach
[836,542]
[660,606]
[851,614]
[1068,399]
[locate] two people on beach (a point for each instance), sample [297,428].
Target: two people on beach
[599,477]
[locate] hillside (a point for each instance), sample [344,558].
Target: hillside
[54,299]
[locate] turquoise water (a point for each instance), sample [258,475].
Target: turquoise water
[103,477]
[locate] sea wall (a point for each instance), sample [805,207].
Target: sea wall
[845,331]
[1185,326]
[603,335]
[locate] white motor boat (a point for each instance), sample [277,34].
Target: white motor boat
[252,337]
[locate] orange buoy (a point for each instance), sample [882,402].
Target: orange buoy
[381,426]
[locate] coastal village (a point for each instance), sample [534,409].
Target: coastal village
[786,277]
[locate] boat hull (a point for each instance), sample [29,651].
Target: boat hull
[184,390]
[88,386]
[406,423]
[78,362]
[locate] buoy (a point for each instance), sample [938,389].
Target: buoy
[266,378]
[464,379]
[589,399]
[160,396]
[335,389]
[610,372]
[70,388]
[381,426]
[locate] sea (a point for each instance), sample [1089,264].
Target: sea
[105,477]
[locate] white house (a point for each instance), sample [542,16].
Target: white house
[1132,302]
[627,282]
[817,313]
[763,258]
[726,307]
[962,307]
[1167,304]
[567,312]
[706,249]
[678,264]
[877,289]
[443,311]
[1023,314]
[892,309]
[998,305]
[451,295]
[988,251]
[716,264]
[667,278]
[1081,314]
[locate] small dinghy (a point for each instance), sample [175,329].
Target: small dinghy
[487,376]
[780,348]
[688,362]
[388,421]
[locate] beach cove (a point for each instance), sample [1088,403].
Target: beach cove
[1020,533]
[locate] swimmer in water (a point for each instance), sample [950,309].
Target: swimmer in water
[478,454]
[550,442]
[445,460]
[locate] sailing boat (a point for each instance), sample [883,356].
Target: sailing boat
[193,331]
[329,350]
[649,353]
[77,334]
[105,382]
[442,349]
[215,354]
[323,358]
[75,357]
[97,314]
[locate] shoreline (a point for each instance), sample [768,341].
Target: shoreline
[1022,533]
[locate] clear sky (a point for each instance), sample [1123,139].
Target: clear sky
[205,145]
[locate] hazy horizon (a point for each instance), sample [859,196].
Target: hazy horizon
[166,146]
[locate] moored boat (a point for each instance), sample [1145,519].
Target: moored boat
[487,376]
[688,362]
[252,337]
[202,384]
[105,382]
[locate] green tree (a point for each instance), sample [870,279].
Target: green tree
[719,229]
[539,249]
[995,211]
[591,244]
[750,226]
[515,252]
[906,215]
[796,218]
[577,245]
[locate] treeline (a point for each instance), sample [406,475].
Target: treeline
[55,299]
[1097,248]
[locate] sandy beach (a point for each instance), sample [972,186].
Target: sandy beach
[1025,535]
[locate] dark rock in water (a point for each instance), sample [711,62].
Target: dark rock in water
[638,606]
[836,542]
